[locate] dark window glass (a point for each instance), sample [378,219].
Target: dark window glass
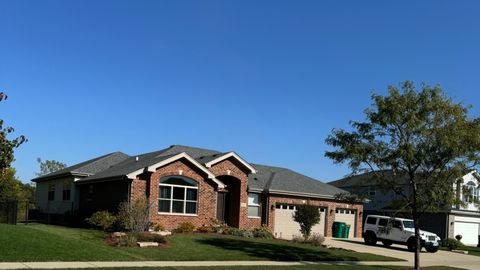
[66,195]
[382,222]
[179,181]
[177,207]
[164,206]
[191,208]
[178,193]
[165,192]
[191,194]
[371,220]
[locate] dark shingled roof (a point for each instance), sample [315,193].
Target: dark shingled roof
[276,179]
[88,167]
[267,178]
[132,164]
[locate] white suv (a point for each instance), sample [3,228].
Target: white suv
[391,230]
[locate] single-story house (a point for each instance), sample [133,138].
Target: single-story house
[187,184]
[455,220]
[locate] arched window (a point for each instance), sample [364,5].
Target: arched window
[472,192]
[177,195]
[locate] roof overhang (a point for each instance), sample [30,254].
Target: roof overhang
[56,176]
[152,168]
[229,155]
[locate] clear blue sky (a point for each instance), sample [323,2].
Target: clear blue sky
[268,79]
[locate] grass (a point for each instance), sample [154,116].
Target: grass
[471,250]
[307,267]
[38,242]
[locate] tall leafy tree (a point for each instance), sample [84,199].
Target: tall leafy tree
[7,145]
[49,166]
[418,137]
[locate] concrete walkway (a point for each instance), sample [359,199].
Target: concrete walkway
[57,265]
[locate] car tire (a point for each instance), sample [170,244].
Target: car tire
[431,249]
[370,238]
[387,243]
[411,245]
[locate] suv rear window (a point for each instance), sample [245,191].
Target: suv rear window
[382,222]
[372,220]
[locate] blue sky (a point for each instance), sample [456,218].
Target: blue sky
[268,79]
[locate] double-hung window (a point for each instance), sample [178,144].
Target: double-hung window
[178,195]
[51,191]
[66,190]
[254,205]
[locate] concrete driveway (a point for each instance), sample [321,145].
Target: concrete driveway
[440,258]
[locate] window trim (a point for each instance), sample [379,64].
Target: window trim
[171,200]
[259,205]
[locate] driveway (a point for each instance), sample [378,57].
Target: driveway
[440,258]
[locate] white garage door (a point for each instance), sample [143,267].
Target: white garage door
[286,227]
[468,231]
[347,216]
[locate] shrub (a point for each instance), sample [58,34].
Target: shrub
[102,219]
[262,232]
[298,239]
[185,227]
[206,229]
[134,215]
[307,216]
[158,227]
[151,237]
[240,232]
[452,243]
[316,239]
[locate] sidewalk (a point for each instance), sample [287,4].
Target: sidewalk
[57,265]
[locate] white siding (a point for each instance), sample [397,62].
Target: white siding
[58,205]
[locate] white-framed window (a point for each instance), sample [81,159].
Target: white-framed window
[254,205]
[178,195]
[473,192]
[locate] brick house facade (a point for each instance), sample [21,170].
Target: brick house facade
[184,184]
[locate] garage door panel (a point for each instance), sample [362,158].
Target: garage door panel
[286,227]
[468,231]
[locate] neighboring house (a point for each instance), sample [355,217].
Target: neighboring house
[186,184]
[463,220]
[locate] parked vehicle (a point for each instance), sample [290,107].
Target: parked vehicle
[390,230]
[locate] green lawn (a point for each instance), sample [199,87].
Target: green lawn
[309,267]
[38,242]
[471,250]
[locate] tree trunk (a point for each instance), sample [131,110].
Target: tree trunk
[416,265]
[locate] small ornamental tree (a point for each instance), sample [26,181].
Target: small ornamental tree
[419,138]
[307,216]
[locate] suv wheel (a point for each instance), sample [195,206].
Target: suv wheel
[431,249]
[370,238]
[411,245]
[387,243]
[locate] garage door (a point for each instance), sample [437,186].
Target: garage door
[347,216]
[286,227]
[468,231]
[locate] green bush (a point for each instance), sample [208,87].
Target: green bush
[307,216]
[185,227]
[262,232]
[102,219]
[151,237]
[452,243]
[240,232]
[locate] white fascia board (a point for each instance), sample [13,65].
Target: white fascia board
[169,160]
[228,155]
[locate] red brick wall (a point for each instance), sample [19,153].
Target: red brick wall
[207,196]
[138,189]
[330,214]
[231,167]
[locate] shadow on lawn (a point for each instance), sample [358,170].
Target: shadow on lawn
[276,252]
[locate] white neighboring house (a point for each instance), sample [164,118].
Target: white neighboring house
[458,220]
[56,193]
